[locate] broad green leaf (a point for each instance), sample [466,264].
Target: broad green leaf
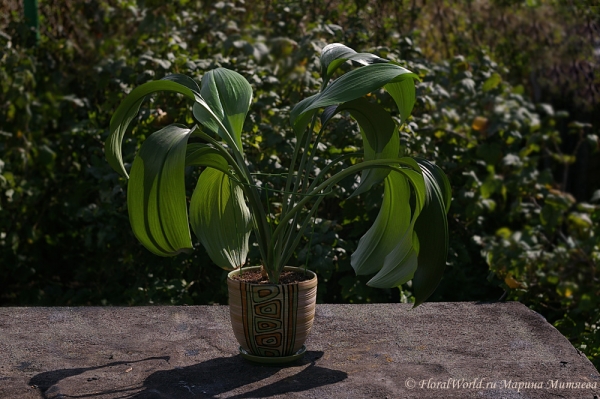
[400,262]
[156,193]
[229,95]
[350,86]
[204,155]
[432,229]
[389,228]
[401,265]
[204,116]
[220,218]
[128,109]
[380,138]
[184,80]
[371,177]
[403,93]
[418,184]
[335,54]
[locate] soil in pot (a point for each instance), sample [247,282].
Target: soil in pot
[286,277]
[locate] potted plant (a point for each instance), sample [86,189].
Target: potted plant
[408,239]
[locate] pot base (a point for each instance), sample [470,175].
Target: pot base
[273,359]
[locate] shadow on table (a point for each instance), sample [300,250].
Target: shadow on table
[48,379]
[203,380]
[217,376]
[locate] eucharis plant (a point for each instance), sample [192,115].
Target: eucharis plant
[408,239]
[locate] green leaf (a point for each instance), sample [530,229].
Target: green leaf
[400,264]
[335,54]
[492,82]
[204,155]
[432,230]
[128,109]
[380,138]
[183,80]
[389,228]
[403,93]
[417,182]
[390,247]
[156,193]
[348,87]
[220,218]
[229,95]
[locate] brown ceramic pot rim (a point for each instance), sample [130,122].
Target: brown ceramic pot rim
[290,268]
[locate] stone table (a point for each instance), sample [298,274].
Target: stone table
[438,350]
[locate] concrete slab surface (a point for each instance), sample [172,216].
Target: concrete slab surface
[438,350]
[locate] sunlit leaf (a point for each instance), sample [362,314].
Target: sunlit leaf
[403,93]
[350,86]
[204,155]
[228,94]
[335,54]
[492,82]
[220,218]
[129,108]
[156,193]
[388,229]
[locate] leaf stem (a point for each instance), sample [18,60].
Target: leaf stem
[392,164]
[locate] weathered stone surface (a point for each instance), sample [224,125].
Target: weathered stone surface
[490,351]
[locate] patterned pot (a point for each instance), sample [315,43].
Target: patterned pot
[272,320]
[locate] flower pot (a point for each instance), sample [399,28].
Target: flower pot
[272,320]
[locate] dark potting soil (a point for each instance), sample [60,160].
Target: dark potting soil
[286,277]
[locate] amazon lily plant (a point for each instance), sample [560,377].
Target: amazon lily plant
[408,239]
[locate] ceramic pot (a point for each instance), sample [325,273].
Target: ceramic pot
[272,320]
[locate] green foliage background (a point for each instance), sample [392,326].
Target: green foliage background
[505,107]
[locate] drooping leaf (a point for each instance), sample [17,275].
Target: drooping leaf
[184,80]
[204,155]
[402,245]
[403,93]
[432,230]
[401,267]
[335,54]
[388,229]
[220,218]
[417,182]
[380,138]
[228,94]
[156,193]
[348,87]
[130,106]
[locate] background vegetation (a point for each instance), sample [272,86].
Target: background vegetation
[507,107]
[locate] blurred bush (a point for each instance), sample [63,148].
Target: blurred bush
[522,161]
